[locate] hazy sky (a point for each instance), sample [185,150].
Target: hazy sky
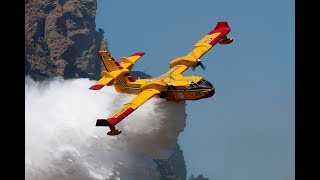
[246,130]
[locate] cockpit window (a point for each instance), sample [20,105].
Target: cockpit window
[202,84]
[201,81]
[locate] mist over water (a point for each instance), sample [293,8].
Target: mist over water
[62,141]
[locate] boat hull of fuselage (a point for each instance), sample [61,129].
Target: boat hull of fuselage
[179,95]
[189,95]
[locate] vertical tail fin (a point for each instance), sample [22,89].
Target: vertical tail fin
[121,81]
[109,62]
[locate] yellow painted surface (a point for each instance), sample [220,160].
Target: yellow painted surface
[136,102]
[105,81]
[171,85]
[128,62]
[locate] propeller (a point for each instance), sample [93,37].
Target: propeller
[199,63]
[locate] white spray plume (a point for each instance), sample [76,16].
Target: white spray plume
[62,141]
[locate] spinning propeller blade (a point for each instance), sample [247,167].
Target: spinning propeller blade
[199,63]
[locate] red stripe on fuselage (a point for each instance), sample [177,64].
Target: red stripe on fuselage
[130,78]
[114,121]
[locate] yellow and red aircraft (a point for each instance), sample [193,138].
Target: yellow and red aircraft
[172,85]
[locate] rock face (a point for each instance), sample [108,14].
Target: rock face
[199,177]
[172,169]
[61,40]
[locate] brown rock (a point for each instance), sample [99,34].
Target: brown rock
[61,40]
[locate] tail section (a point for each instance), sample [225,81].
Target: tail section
[121,84]
[128,62]
[109,62]
[117,74]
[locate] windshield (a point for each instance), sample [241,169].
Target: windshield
[202,84]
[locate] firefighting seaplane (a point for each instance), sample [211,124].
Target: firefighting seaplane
[171,85]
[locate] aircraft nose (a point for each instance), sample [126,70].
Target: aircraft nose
[210,92]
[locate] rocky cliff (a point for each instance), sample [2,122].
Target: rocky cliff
[61,40]
[199,177]
[172,169]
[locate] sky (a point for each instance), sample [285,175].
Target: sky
[246,131]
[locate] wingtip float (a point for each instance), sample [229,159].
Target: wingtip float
[172,85]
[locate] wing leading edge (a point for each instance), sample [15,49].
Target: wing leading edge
[125,110]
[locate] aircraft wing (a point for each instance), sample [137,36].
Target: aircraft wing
[218,34]
[211,39]
[127,109]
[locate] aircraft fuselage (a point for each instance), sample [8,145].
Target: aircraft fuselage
[173,86]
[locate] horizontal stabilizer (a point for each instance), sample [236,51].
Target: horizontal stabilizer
[108,78]
[96,87]
[128,62]
[102,82]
